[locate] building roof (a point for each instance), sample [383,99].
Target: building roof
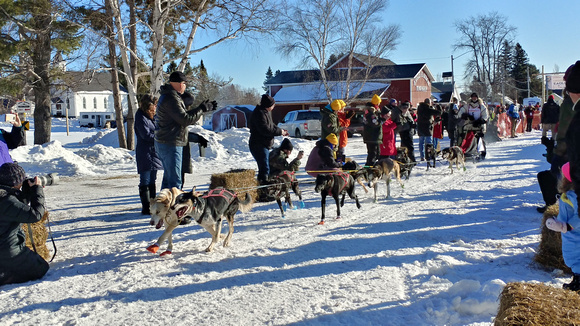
[315,92]
[367,60]
[442,91]
[88,81]
[378,73]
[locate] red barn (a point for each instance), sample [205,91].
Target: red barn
[303,89]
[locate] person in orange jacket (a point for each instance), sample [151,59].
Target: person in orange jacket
[343,122]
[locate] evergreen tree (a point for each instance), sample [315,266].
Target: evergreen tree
[32,31]
[269,76]
[171,67]
[520,71]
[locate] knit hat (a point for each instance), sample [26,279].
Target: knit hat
[286,144]
[267,101]
[551,97]
[385,110]
[474,94]
[335,105]
[177,77]
[573,79]
[393,102]
[342,104]
[566,171]
[376,100]
[427,101]
[332,139]
[11,174]
[405,104]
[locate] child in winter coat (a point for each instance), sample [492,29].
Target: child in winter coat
[19,264]
[388,148]
[323,157]
[568,223]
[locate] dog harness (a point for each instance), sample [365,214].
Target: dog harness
[219,192]
[344,177]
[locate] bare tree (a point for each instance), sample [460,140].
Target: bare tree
[315,29]
[484,36]
[223,19]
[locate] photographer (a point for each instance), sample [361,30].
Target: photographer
[10,140]
[18,263]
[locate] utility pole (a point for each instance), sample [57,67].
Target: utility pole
[543,85]
[528,81]
[452,73]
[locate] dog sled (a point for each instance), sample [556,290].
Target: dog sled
[473,145]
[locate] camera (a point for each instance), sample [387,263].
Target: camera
[47,180]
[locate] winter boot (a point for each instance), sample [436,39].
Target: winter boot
[574,285]
[152,191]
[144,195]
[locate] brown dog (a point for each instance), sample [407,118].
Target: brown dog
[382,171]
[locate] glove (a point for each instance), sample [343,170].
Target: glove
[202,141]
[556,225]
[478,122]
[205,106]
[350,114]
[213,105]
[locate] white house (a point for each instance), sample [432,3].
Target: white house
[88,96]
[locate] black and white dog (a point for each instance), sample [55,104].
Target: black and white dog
[430,155]
[455,155]
[405,162]
[335,184]
[280,185]
[208,210]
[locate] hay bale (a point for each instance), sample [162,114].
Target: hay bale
[550,250]
[39,235]
[537,304]
[238,180]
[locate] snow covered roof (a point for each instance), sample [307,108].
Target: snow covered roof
[315,93]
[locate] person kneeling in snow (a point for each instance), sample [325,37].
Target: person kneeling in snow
[568,223]
[19,264]
[322,158]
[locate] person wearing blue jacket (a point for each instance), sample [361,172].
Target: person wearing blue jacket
[18,205]
[514,114]
[148,162]
[568,223]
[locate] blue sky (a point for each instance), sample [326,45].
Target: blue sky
[547,30]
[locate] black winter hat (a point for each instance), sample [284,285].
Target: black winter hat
[267,101]
[177,77]
[474,94]
[287,144]
[573,78]
[11,174]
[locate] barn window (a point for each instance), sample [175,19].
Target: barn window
[84,103]
[94,103]
[105,103]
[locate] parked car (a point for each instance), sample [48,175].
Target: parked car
[302,123]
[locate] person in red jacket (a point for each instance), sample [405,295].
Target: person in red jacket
[388,148]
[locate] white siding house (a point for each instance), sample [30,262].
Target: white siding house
[88,96]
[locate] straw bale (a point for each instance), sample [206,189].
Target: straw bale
[537,304]
[550,250]
[240,180]
[39,235]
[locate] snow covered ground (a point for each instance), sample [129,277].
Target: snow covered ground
[438,252]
